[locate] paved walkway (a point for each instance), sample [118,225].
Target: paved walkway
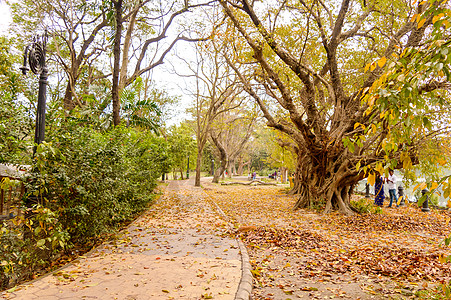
[177,250]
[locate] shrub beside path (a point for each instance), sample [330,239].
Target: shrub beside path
[176,250]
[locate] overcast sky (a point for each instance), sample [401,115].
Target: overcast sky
[5,17]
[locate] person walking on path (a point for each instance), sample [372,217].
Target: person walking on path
[391,184]
[379,190]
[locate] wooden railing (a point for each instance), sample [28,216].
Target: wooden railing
[11,193]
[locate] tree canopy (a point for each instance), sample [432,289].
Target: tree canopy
[357,86]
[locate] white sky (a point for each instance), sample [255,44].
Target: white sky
[5,17]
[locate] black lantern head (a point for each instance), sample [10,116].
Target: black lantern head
[25,68]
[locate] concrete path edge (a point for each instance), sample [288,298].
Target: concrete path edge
[245,286]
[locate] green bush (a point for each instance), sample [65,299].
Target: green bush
[88,183]
[29,244]
[98,180]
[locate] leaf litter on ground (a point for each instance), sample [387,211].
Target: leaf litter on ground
[307,254]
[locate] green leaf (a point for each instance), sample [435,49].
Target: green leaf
[40,243]
[427,123]
[37,230]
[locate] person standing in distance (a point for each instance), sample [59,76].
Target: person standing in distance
[391,185]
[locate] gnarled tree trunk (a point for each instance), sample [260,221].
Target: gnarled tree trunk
[327,180]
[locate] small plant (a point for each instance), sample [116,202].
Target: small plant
[377,210]
[362,206]
[441,292]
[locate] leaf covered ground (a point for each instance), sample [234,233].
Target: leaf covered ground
[304,254]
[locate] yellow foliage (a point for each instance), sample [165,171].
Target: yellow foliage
[421,23]
[420,186]
[382,61]
[371,179]
[380,168]
[434,185]
[373,66]
[437,17]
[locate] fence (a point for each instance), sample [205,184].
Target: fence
[11,191]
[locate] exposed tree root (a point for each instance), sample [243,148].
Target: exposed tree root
[253,182]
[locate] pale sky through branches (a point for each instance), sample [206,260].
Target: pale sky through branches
[5,17]
[162,78]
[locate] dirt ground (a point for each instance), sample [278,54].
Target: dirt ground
[392,254]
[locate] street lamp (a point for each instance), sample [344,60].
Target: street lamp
[187,169]
[34,54]
[212,167]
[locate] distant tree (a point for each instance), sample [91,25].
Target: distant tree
[182,145]
[121,40]
[214,92]
[230,133]
[153,20]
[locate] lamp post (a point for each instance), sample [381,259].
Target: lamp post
[34,56]
[425,206]
[212,167]
[367,190]
[401,195]
[187,169]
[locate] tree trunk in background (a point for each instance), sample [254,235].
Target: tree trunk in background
[230,169]
[116,65]
[200,149]
[241,166]
[222,156]
[68,101]
[220,171]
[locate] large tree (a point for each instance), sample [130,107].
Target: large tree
[76,39]
[357,85]
[120,40]
[145,27]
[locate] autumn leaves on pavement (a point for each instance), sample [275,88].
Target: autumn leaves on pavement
[303,254]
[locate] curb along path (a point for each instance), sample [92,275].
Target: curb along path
[176,250]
